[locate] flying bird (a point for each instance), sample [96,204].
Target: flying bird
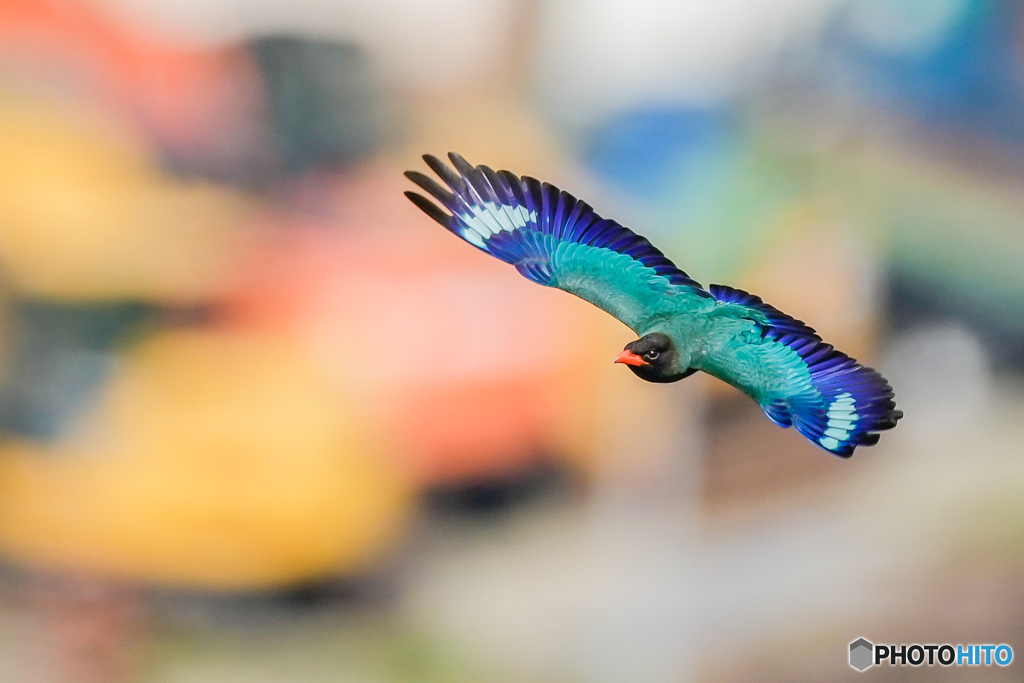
[556,240]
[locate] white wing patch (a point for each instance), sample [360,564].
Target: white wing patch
[489,219]
[842,415]
[474,238]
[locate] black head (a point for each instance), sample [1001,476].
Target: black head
[654,358]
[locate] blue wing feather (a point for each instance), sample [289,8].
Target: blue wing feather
[528,224]
[482,197]
[840,404]
[772,316]
[800,380]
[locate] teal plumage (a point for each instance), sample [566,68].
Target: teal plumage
[558,241]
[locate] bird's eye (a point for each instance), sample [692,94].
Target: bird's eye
[652,355]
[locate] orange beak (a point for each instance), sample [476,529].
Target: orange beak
[630,358]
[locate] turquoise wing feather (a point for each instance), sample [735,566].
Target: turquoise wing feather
[798,379]
[556,240]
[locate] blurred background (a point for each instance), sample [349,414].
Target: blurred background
[261,420]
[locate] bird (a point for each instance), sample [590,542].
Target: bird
[557,240]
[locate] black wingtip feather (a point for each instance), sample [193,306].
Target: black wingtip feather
[444,172]
[461,165]
[869,439]
[475,176]
[468,171]
[432,188]
[431,209]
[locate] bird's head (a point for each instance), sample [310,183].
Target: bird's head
[654,358]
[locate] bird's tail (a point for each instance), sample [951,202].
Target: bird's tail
[851,404]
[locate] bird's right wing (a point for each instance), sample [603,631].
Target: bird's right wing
[799,380]
[556,240]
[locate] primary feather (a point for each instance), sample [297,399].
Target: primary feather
[559,241]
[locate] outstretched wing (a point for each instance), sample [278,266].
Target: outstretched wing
[798,379]
[555,240]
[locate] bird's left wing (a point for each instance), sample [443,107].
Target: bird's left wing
[556,240]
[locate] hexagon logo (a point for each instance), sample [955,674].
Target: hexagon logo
[861,654]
